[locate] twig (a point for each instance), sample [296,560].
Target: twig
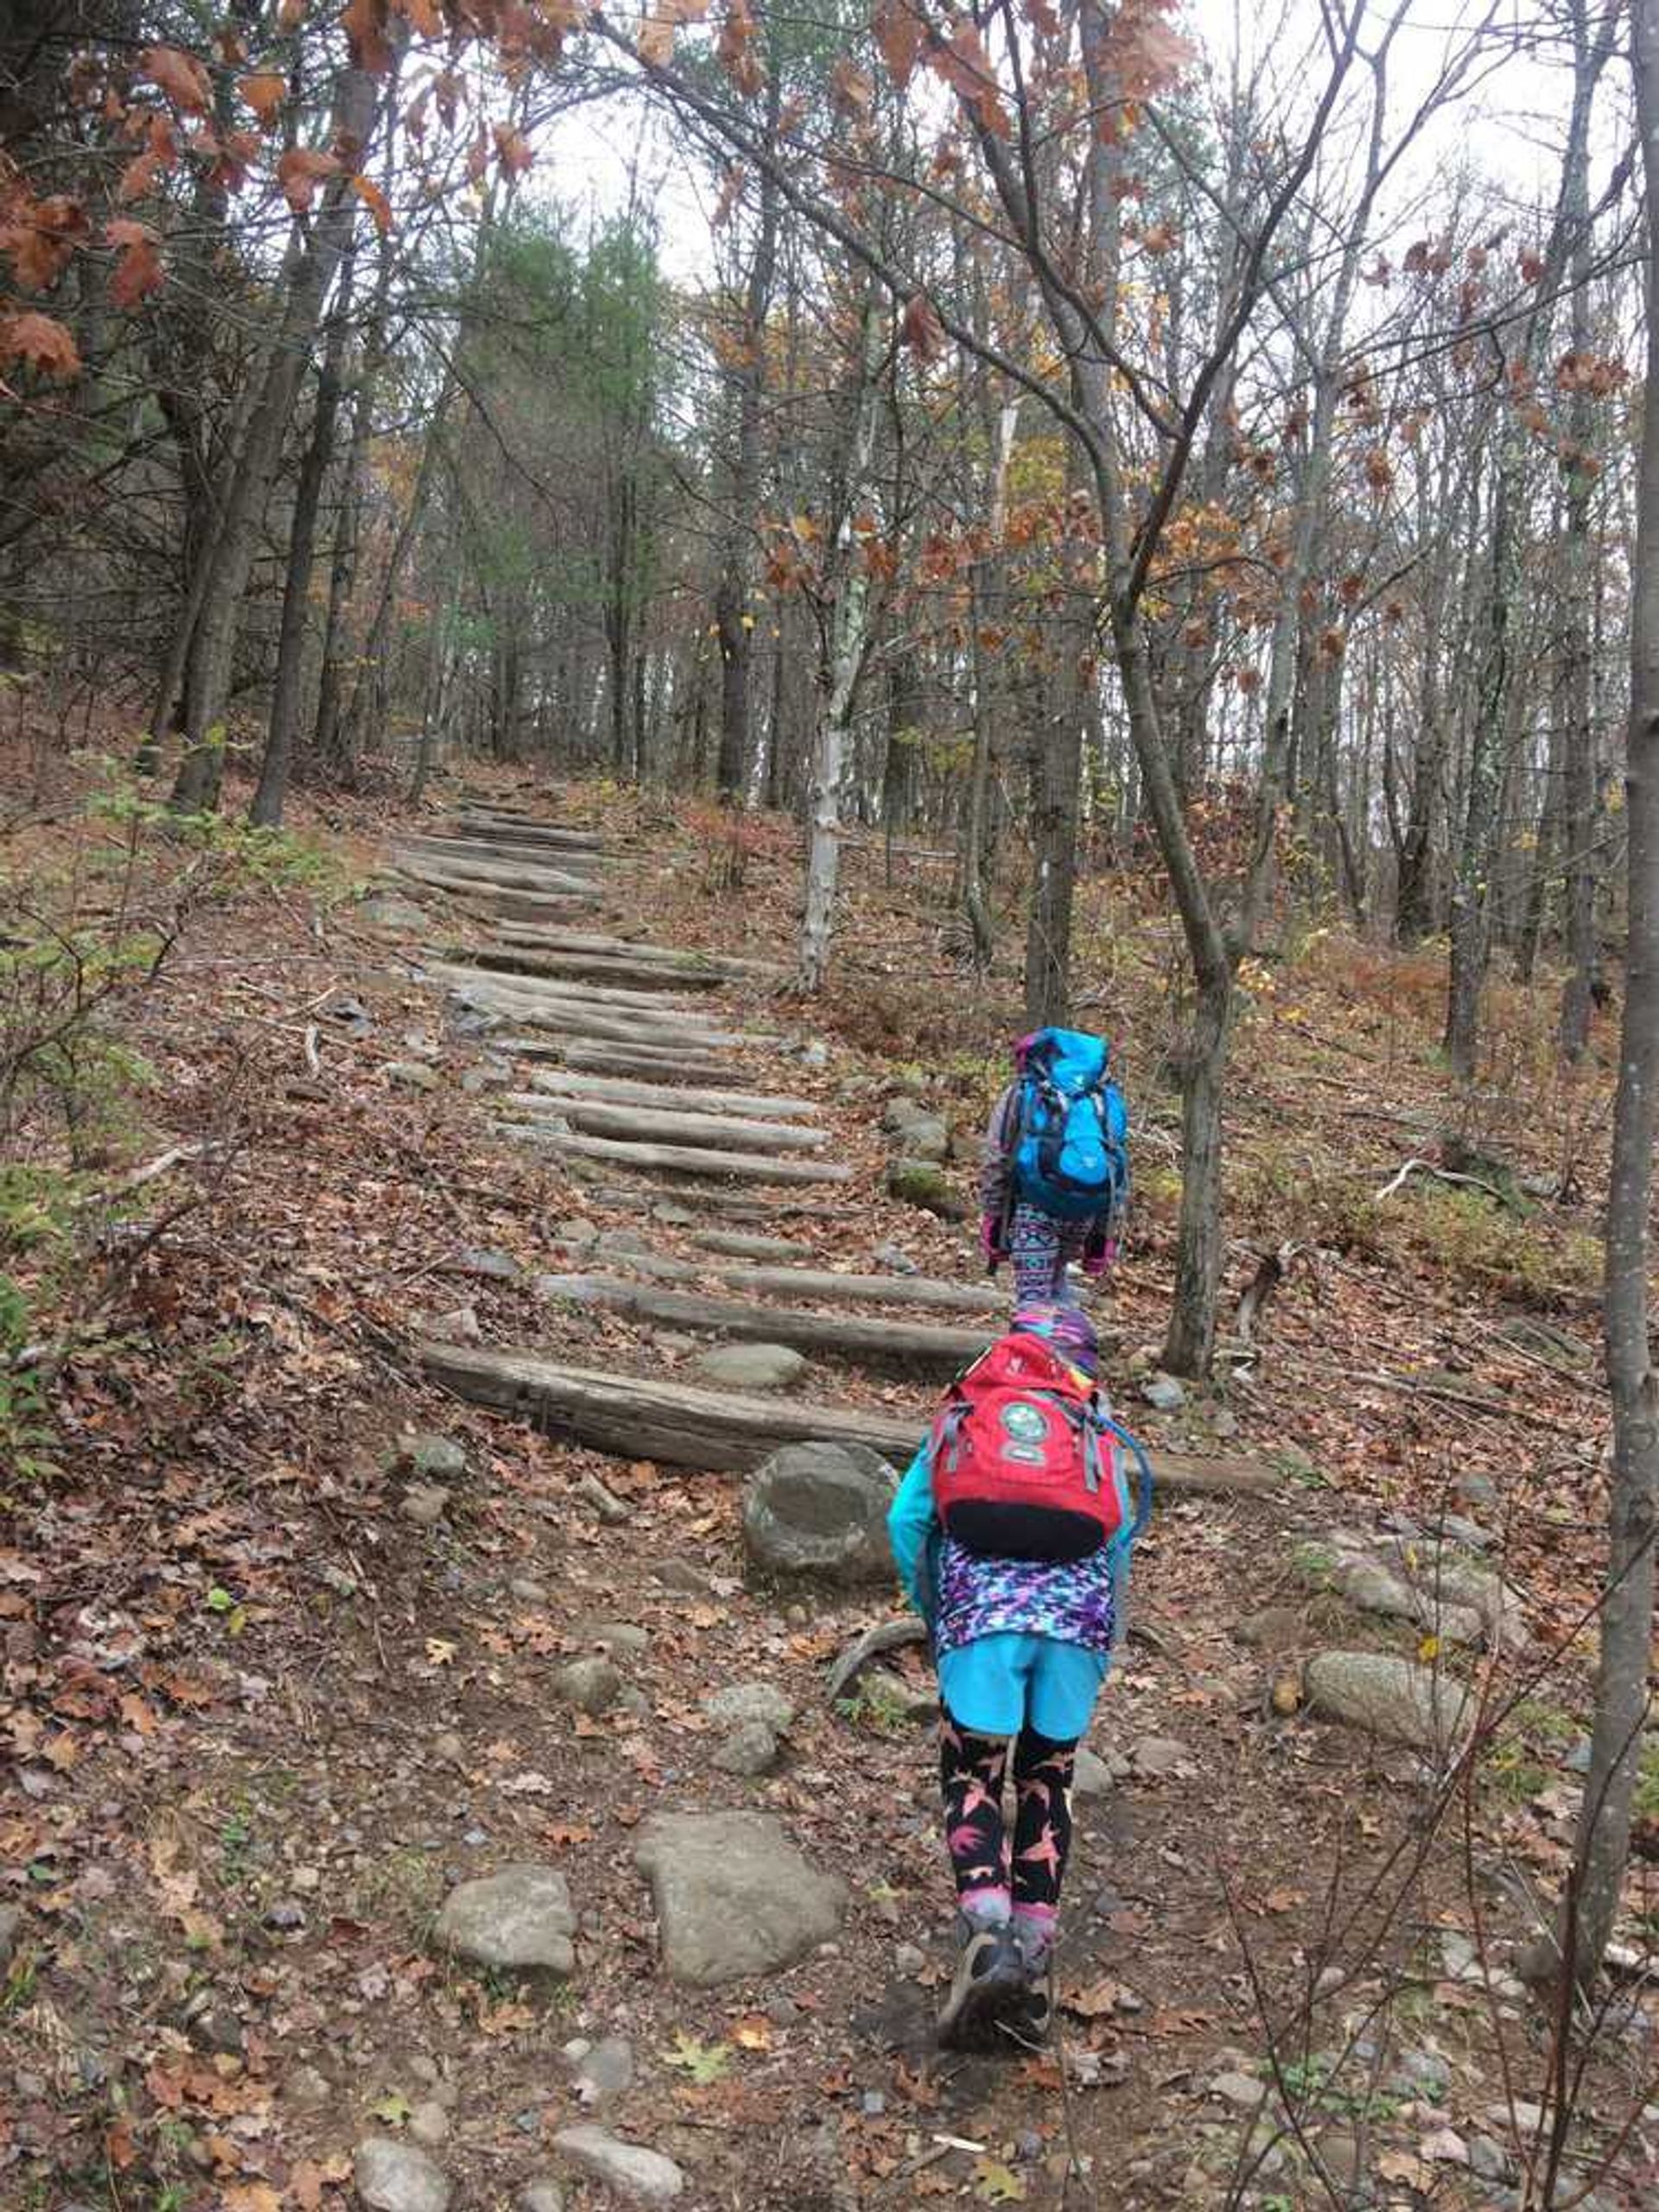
[1440,1175]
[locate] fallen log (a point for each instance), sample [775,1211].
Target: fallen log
[653,1065]
[922,1347]
[497,876]
[597,1117]
[559,1082]
[744,1244]
[538,988]
[550,938]
[678,1159]
[642,1417]
[636,975]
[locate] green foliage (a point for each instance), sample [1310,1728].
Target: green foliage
[1286,1191]
[1482,1242]
[25,1429]
[877,1708]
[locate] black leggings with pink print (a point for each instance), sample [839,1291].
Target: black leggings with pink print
[998,1873]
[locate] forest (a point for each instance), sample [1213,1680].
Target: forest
[597,609]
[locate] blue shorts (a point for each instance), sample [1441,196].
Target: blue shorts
[997,1685]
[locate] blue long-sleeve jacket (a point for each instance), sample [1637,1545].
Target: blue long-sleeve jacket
[913,1528]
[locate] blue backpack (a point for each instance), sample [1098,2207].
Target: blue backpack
[1069,1130]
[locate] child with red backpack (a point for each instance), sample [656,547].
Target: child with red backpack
[1011,1532]
[1055,1180]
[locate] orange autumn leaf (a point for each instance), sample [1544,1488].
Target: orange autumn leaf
[137,274]
[264,93]
[375,200]
[181,76]
[921,330]
[897,30]
[300,170]
[41,342]
[656,42]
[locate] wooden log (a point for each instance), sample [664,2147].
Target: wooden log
[744,1244]
[551,938]
[921,1347]
[875,1290]
[599,1118]
[500,875]
[584,967]
[564,1019]
[678,1159]
[568,860]
[653,1065]
[658,1009]
[561,1083]
[642,1417]
[474,822]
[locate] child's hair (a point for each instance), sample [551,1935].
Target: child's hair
[1021,1046]
[1068,1328]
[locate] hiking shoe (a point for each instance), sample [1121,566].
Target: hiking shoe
[1031,2014]
[988,1983]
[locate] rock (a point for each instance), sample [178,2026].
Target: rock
[605,1502]
[1389,1697]
[733,1895]
[593,1686]
[925,1137]
[612,1637]
[922,1183]
[411,1075]
[447,1746]
[909,1960]
[1524,2117]
[1161,1758]
[460,1325]
[895,1260]
[1341,2156]
[1468,1534]
[437,1459]
[605,2070]
[390,910]
[424,1504]
[541,2197]
[428,2123]
[1444,2147]
[305,2089]
[783,2012]
[520,1918]
[1577,1761]
[752,1702]
[682,1574]
[749,1750]
[527,1590]
[1242,2090]
[1090,1775]
[485,1266]
[1476,1489]
[397,2177]
[1373,1589]
[911,1700]
[1275,1628]
[620,1243]
[899,1111]
[11,1921]
[749,1367]
[822,1509]
[1425,2073]
[815,1054]
[576,1235]
[1163,1393]
[628,2168]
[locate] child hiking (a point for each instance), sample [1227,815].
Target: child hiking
[1011,1532]
[1056,1174]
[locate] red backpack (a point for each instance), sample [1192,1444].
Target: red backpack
[1021,1458]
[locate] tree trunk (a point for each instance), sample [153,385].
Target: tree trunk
[1627,1608]
[213,645]
[732,618]
[985,610]
[272,792]
[841,665]
[1057,782]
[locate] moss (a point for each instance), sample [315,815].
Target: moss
[919,1183]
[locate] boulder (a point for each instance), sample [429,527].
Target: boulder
[397,2177]
[390,910]
[438,1459]
[424,1504]
[411,1075]
[751,1749]
[925,1136]
[593,1686]
[742,1703]
[541,2197]
[642,2175]
[733,1895]
[749,1367]
[520,1918]
[1372,1589]
[821,1509]
[1389,1697]
[923,1183]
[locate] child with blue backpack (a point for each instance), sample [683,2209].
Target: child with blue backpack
[1011,1532]
[1056,1176]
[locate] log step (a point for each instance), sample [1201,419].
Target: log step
[653,1065]
[677,1159]
[920,1347]
[550,938]
[464,965]
[642,1417]
[501,955]
[559,1082]
[487,876]
[567,860]
[825,1284]
[598,1118]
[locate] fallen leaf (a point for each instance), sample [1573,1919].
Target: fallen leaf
[997,2184]
[705,2062]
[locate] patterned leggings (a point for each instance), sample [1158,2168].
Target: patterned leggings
[1040,1248]
[993,1874]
